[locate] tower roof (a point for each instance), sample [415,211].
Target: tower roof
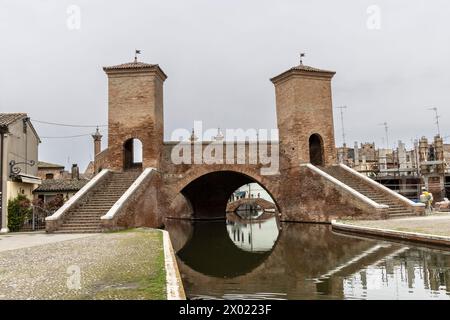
[302,69]
[131,65]
[135,66]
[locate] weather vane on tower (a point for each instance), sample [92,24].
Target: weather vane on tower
[136,52]
[302,55]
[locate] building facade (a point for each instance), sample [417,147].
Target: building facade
[19,157]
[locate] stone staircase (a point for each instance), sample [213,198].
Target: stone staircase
[396,208]
[85,218]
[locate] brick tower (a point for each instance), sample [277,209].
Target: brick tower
[135,111]
[305,116]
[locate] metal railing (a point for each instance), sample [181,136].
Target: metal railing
[35,221]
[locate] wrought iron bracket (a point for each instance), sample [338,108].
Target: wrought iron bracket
[14,168]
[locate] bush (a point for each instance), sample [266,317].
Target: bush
[19,209]
[55,203]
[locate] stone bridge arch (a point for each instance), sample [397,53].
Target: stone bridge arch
[205,190]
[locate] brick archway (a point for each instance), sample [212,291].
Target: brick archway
[208,191]
[316,152]
[132,147]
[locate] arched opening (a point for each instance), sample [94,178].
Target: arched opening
[316,150]
[210,194]
[132,154]
[238,243]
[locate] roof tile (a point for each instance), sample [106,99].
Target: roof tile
[8,118]
[61,185]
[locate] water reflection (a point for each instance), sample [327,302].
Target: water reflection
[224,251]
[252,230]
[306,261]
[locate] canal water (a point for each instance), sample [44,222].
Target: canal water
[256,257]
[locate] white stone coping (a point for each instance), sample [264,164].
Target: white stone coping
[398,234]
[345,187]
[379,185]
[83,191]
[174,285]
[122,200]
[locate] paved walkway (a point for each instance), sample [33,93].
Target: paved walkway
[118,265]
[436,224]
[12,241]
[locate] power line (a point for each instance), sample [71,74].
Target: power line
[67,137]
[68,125]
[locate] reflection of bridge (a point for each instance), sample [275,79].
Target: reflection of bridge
[200,185]
[307,261]
[249,204]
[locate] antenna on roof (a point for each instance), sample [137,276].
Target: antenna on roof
[437,119]
[342,124]
[302,55]
[136,52]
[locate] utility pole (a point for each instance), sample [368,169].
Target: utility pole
[386,128]
[342,108]
[437,116]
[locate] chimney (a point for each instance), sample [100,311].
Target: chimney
[75,172]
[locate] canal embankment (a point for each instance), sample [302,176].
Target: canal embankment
[132,264]
[431,229]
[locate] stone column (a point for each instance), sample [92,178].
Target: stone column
[97,142]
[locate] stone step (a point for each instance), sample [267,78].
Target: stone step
[98,205]
[117,187]
[395,209]
[399,211]
[100,201]
[396,215]
[93,230]
[109,191]
[89,213]
[81,226]
[82,222]
[93,208]
[86,217]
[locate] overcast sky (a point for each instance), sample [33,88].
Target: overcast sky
[219,56]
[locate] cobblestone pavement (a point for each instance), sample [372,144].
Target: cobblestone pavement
[119,265]
[436,224]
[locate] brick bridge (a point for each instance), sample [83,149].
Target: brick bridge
[250,203]
[306,185]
